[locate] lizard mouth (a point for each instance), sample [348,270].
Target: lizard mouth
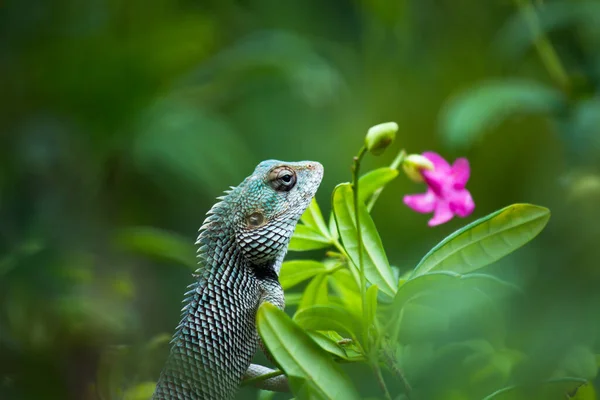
[315,177]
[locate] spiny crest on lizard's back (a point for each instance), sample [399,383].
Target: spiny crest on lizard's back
[263,209]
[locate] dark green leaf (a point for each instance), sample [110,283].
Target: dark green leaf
[444,286]
[517,36]
[418,322]
[555,389]
[158,243]
[581,361]
[481,108]
[177,138]
[300,357]
[415,286]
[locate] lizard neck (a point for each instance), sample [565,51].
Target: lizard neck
[219,247]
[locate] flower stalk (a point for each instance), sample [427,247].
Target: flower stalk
[543,45]
[394,165]
[361,268]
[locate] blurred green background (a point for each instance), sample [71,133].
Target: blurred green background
[121,121]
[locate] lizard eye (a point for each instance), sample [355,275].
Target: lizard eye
[255,219]
[282,179]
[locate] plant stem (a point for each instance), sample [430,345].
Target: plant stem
[361,268]
[499,392]
[543,45]
[390,360]
[398,160]
[381,382]
[394,165]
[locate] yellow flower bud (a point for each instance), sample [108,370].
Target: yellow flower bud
[379,137]
[413,164]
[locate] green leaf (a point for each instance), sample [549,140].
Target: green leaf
[315,292]
[265,395]
[296,271]
[371,304]
[374,180]
[585,392]
[555,389]
[443,280]
[333,227]
[142,391]
[344,284]
[375,263]
[327,344]
[581,361]
[353,352]
[300,357]
[157,342]
[486,240]
[157,243]
[420,322]
[176,138]
[517,36]
[313,218]
[452,293]
[480,108]
[305,389]
[293,299]
[26,249]
[418,285]
[332,347]
[306,238]
[328,318]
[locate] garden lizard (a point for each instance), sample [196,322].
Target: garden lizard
[242,243]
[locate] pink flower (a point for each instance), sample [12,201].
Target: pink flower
[446,195]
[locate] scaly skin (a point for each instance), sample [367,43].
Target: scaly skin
[242,244]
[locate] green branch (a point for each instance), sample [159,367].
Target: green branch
[543,45]
[361,267]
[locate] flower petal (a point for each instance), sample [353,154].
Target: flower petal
[461,203]
[438,161]
[423,203]
[435,180]
[461,171]
[441,215]
[440,176]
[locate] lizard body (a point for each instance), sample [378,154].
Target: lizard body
[242,244]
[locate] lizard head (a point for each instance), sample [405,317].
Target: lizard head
[270,203]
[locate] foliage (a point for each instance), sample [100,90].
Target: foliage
[417,311]
[122,120]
